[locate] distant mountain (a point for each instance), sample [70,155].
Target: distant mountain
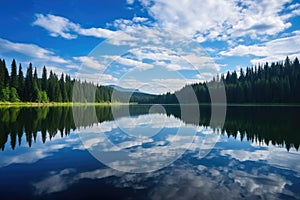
[121,89]
[136,95]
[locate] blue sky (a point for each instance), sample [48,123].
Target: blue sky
[156,46]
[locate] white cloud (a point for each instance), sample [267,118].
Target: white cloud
[60,26]
[61,180]
[133,63]
[155,85]
[40,151]
[143,86]
[222,19]
[139,19]
[90,62]
[273,50]
[131,24]
[196,185]
[159,53]
[242,50]
[170,85]
[130,2]
[173,58]
[200,185]
[219,20]
[96,32]
[148,47]
[294,6]
[201,62]
[97,78]
[57,26]
[204,76]
[55,69]
[31,50]
[273,155]
[138,131]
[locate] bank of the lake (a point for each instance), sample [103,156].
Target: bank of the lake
[53,104]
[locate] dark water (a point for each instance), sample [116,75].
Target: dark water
[45,155]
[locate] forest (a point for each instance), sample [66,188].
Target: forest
[49,88]
[278,82]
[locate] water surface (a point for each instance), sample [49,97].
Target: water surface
[254,155]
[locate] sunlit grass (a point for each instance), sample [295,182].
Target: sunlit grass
[52,104]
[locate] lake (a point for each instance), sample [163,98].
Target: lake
[48,154]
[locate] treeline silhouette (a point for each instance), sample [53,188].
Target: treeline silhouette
[25,123]
[265,125]
[278,82]
[50,87]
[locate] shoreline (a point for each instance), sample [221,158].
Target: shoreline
[57,104]
[54,104]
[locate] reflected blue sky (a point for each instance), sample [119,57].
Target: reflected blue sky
[231,169]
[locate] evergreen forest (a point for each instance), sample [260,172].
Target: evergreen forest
[278,82]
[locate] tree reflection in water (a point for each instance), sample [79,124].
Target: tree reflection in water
[268,125]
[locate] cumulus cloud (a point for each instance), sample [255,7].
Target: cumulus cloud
[149,48]
[174,138]
[220,20]
[174,84]
[132,63]
[273,155]
[150,58]
[199,182]
[204,76]
[61,180]
[40,151]
[130,2]
[223,19]
[273,50]
[63,27]
[30,50]
[96,32]
[57,26]
[97,78]
[90,62]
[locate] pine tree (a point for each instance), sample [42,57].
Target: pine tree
[4,82]
[36,86]
[13,76]
[69,88]
[63,88]
[50,86]
[29,86]
[44,79]
[36,79]
[1,75]
[54,92]
[6,75]
[21,83]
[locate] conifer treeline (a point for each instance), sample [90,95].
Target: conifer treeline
[275,83]
[278,82]
[30,88]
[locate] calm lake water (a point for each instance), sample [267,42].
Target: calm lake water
[45,155]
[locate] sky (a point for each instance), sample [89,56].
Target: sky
[154,46]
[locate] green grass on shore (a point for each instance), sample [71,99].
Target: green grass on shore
[53,104]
